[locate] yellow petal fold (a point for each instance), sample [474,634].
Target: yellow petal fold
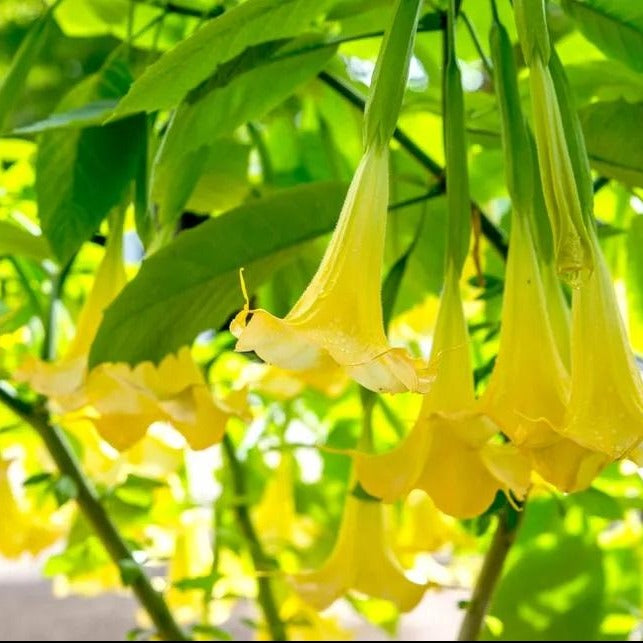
[339,315]
[127,400]
[606,407]
[449,452]
[362,561]
[528,390]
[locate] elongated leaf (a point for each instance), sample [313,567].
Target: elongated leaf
[614,27]
[193,284]
[82,174]
[91,114]
[165,83]
[197,125]
[17,241]
[613,135]
[16,77]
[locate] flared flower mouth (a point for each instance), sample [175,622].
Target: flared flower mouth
[125,401]
[452,452]
[361,561]
[338,319]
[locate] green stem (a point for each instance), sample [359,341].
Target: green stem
[89,503]
[489,230]
[477,44]
[261,562]
[494,560]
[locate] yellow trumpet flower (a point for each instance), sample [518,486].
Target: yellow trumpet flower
[121,401]
[529,388]
[276,516]
[21,530]
[361,560]
[338,318]
[452,452]
[192,558]
[605,411]
[62,381]
[125,401]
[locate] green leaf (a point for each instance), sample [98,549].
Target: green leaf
[65,489]
[219,110]
[130,571]
[165,83]
[93,113]
[193,284]
[37,478]
[82,174]
[17,241]
[613,135]
[614,27]
[16,77]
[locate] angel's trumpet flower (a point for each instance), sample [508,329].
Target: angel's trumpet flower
[276,516]
[21,530]
[605,411]
[125,401]
[529,387]
[122,401]
[338,318]
[361,560]
[450,452]
[62,381]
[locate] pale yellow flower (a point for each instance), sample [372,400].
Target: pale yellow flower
[605,411]
[338,319]
[362,561]
[529,388]
[452,452]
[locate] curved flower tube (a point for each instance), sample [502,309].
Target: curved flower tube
[574,257]
[62,381]
[605,411]
[338,319]
[361,560]
[529,387]
[451,452]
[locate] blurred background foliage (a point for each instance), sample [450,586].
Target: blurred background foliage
[267,123]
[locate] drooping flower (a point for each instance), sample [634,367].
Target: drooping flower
[62,380]
[21,530]
[275,516]
[453,451]
[192,558]
[424,528]
[529,387]
[605,411]
[338,319]
[362,561]
[124,401]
